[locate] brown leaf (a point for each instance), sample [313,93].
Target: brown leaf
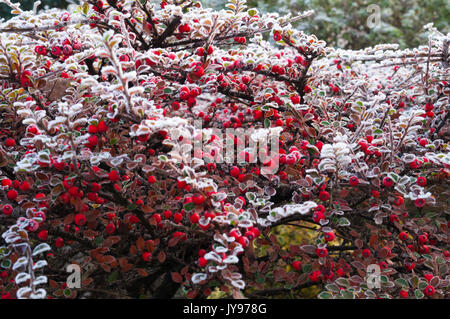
[69,219]
[147,209]
[192,294]
[359,243]
[87,281]
[53,284]
[184,270]
[140,244]
[373,240]
[142,272]
[176,277]
[237,294]
[108,259]
[161,257]
[105,267]
[173,241]
[133,250]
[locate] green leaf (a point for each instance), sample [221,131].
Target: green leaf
[324,295]
[189,206]
[259,278]
[307,268]
[98,240]
[347,294]
[252,12]
[418,293]
[402,282]
[343,221]
[39,249]
[67,292]
[422,284]
[250,196]
[332,287]
[342,282]
[378,131]
[113,277]
[6,263]
[266,123]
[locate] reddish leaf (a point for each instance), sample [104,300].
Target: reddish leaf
[142,272]
[69,219]
[176,277]
[161,257]
[173,241]
[184,270]
[87,281]
[192,294]
[140,244]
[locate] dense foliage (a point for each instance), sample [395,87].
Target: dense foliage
[347,24]
[99,111]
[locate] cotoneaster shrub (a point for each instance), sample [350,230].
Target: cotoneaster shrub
[98,109]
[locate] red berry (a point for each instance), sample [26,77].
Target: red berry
[110,228]
[24,186]
[295,99]
[235,172]
[366,253]
[92,140]
[67,50]
[10,142]
[423,239]
[102,127]
[403,236]
[388,182]
[329,236]
[7,209]
[59,242]
[92,129]
[114,176]
[198,199]
[423,142]
[80,219]
[202,262]
[177,217]
[43,234]
[420,202]
[398,200]
[403,294]
[151,179]
[6,182]
[321,252]
[297,265]
[429,291]
[421,181]
[194,218]
[146,256]
[12,194]
[324,196]
[318,216]
[353,181]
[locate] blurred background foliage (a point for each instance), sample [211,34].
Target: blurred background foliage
[341,23]
[28,5]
